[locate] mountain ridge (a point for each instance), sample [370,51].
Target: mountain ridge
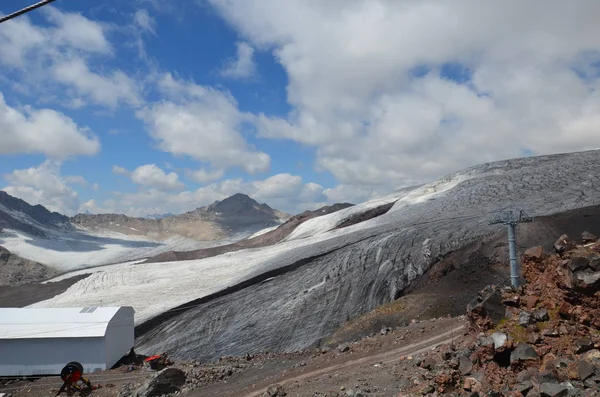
[238,213]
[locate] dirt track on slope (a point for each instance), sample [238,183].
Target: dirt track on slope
[371,359]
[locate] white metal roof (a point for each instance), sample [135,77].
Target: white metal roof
[33,323]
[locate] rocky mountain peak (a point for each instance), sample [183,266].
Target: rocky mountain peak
[37,212]
[237,204]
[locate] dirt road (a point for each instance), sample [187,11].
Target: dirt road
[353,366]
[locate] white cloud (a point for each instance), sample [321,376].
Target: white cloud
[202,123]
[203,176]
[282,191]
[117,169]
[243,66]
[59,57]
[152,175]
[143,19]
[107,90]
[75,30]
[376,125]
[43,131]
[44,185]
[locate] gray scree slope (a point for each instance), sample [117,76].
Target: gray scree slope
[332,281]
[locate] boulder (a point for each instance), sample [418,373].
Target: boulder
[343,348]
[588,237]
[589,280]
[583,345]
[499,339]
[531,301]
[553,390]
[465,366]
[578,263]
[523,352]
[472,384]
[541,315]
[524,318]
[486,310]
[563,244]
[534,253]
[585,369]
[167,381]
[274,391]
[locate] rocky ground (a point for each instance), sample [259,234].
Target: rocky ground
[15,270]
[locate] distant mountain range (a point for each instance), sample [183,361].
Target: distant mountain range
[236,214]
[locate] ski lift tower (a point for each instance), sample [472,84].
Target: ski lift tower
[512,219]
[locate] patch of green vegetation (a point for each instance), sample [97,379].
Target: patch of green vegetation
[553,313]
[515,331]
[543,325]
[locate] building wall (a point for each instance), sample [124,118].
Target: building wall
[49,356]
[120,336]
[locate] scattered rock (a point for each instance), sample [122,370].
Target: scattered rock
[588,237]
[578,263]
[583,345]
[385,330]
[473,384]
[553,390]
[541,315]
[274,391]
[523,352]
[531,301]
[167,381]
[524,318]
[550,332]
[486,309]
[585,369]
[499,339]
[563,244]
[343,348]
[428,363]
[534,253]
[465,366]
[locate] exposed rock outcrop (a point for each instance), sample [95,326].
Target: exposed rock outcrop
[554,353]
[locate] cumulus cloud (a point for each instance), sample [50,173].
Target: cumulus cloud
[151,175]
[392,93]
[59,56]
[203,176]
[282,191]
[43,131]
[46,186]
[107,90]
[241,67]
[202,123]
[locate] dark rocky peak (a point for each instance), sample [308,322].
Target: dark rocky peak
[238,204]
[37,212]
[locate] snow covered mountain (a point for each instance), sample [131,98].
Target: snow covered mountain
[293,294]
[238,214]
[16,214]
[84,240]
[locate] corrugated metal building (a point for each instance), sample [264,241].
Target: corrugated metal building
[41,341]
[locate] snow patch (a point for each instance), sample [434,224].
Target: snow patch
[325,223]
[263,231]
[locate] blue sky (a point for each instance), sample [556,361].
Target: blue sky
[151,106]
